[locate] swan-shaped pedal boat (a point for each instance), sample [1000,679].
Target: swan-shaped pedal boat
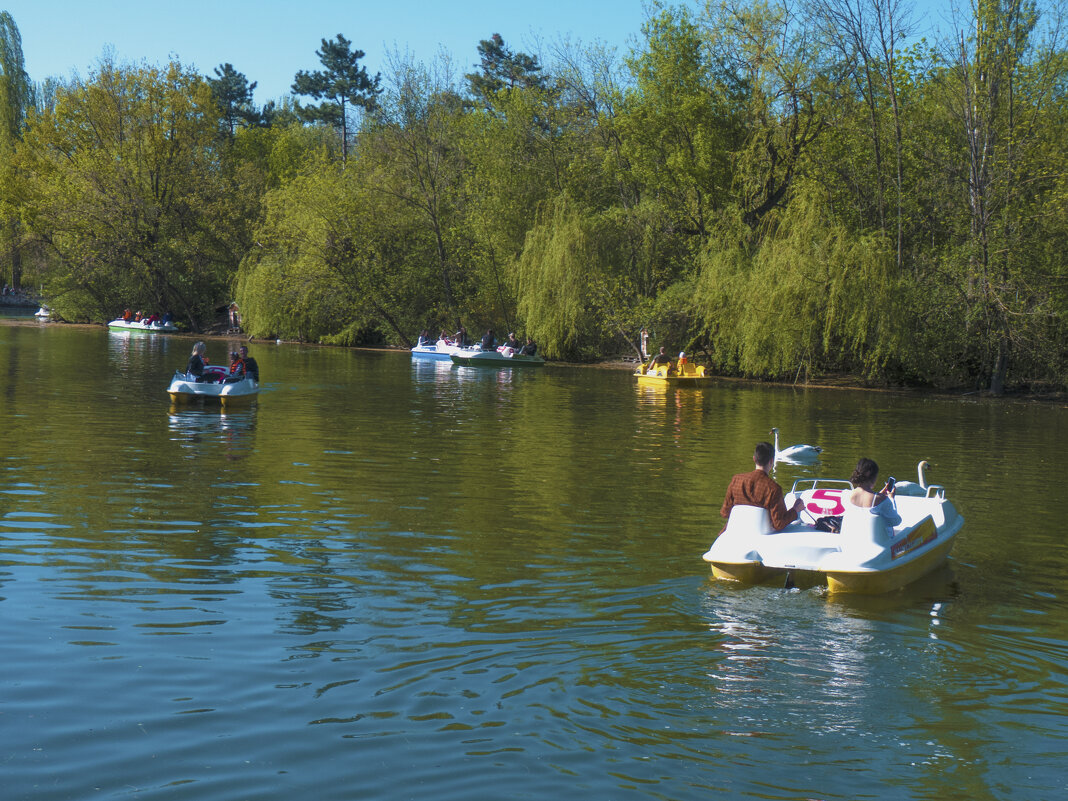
[185,387]
[866,556]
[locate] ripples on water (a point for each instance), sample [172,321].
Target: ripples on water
[395,580]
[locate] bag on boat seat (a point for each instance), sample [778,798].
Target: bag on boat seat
[831,523]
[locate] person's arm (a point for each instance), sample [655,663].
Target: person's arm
[728,500]
[887,511]
[781,517]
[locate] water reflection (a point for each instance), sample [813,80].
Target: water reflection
[430,562]
[195,427]
[432,369]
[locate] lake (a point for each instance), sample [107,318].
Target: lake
[390,580]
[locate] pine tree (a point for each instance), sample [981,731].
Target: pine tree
[342,85]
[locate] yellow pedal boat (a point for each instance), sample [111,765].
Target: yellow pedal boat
[682,373]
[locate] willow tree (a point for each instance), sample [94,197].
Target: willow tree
[15,99]
[126,194]
[808,294]
[335,261]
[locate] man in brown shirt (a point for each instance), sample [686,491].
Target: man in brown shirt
[759,489]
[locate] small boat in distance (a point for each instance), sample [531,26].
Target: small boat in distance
[865,556]
[441,350]
[142,326]
[495,358]
[683,373]
[185,387]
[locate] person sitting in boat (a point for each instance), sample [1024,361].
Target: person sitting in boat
[237,368]
[167,317]
[127,315]
[424,339]
[530,349]
[511,345]
[444,337]
[758,488]
[152,318]
[864,496]
[251,367]
[137,316]
[489,342]
[197,362]
[660,358]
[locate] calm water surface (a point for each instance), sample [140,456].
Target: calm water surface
[390,579]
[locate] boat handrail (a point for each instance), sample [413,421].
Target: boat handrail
[936,491]
[803,484]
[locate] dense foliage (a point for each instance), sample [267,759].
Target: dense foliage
[784,189]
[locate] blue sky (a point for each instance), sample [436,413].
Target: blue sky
[269,40]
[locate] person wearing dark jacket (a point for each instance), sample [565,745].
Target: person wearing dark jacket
[251,367]
[195,367]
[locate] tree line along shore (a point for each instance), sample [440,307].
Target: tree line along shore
[786,191]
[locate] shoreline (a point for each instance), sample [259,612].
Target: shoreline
[1056,398]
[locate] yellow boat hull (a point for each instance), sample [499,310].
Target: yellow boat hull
[877,582]
[684,374]
[865,557]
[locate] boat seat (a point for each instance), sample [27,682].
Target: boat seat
[749,519]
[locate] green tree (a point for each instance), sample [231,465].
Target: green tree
[1004,83]
[16,98]
[233,93]
[127,196]
[415,153]
[342,86]
[680,124]
[500,68]
[334,262]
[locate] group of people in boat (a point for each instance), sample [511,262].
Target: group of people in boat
[509,347]
[241,366]
[758,488]
[145,319]
[663,358]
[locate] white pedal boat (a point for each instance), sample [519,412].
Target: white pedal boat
[185,388]
[141,327]
[441,350]
[495,358]
[866,556]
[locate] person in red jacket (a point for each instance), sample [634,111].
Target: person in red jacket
[758,488]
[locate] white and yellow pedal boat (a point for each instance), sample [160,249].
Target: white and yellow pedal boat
[866,556]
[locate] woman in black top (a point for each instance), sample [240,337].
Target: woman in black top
[196,361]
